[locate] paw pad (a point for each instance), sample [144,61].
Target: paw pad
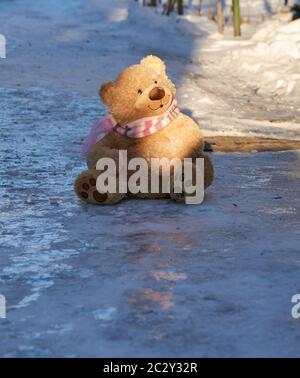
[87,191]
[84,195]
[99,197]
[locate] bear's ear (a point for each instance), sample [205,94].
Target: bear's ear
[105,93]
[155,63]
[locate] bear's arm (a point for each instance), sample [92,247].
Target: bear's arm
[186,131]
[101,151]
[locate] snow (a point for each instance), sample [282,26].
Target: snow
[145,278]
[271,60]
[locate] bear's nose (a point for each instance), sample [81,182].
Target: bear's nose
[156,93]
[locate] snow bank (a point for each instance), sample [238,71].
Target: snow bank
[277,40]
[272,59]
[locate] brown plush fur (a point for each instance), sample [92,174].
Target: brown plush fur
[128,98]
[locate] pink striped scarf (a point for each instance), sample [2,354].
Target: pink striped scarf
[135,129]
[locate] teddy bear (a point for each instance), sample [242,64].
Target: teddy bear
[143,119]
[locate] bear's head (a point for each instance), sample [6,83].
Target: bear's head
[142,90]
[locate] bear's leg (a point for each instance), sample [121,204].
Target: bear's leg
[85,188]
[208,178]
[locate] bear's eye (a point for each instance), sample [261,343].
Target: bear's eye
[140,91]
[155,81]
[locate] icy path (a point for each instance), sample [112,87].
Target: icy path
[209,280]
[80,280]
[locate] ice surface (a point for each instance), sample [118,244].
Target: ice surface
[142,278]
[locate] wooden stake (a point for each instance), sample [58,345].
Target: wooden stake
[210,11]
[200,7]
[220,16]
[236,18]
[170,6]
[180,7]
